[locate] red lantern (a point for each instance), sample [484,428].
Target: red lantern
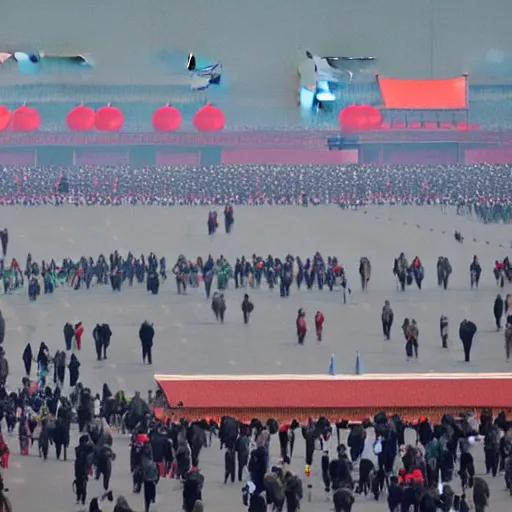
[5,118]
[360,117]
[166,119]
[25,119]
[209,119]
[373,117]
[80,119]
[108,119]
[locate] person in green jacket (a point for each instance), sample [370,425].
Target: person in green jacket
[224,273]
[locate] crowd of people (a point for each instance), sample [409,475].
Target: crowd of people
[83,273]
[276,272]
[374,458]
[481,188]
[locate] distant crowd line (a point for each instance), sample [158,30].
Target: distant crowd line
[470,187]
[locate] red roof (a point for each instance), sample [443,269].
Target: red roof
[430,94]
[337,392]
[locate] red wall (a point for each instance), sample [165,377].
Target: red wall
[21,157]
[289,156]
[174,158]
[498,155]
[91,156]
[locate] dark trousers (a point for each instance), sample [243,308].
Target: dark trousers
[146,353]
[491,461]
[386,328]
[229,467]
[61,374]
[81,488]
[207,288]
[467,349]
[246,317]
[498,322]
[58,450]
[241,466]
[410,347]
[149,494]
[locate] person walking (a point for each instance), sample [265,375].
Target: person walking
[247,308]
[301,326]
[74,370]
[219,306]
[319,325]
[499,307]
[69,333]
[467,332]
[151,477]
[78,332]
[508,338]
[444,331]
[413,335]
[146,335]
[387,320]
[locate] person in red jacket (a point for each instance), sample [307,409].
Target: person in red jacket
[79,330]
[319,322]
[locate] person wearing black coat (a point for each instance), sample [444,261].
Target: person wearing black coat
[499,307]
[4,240]
[161,446]
[247,308]
[467,331]
[84,454]
[43,356]
[106,334]
[258,463]
[101,335]
[146,335]
[153,283]
[61,431]
[69,332]
[74,370]
[27,359]
[395,494]
[192,489]
[60,367]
